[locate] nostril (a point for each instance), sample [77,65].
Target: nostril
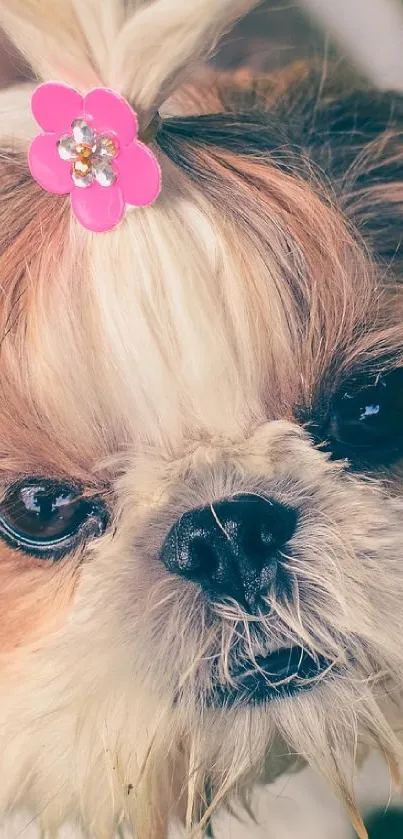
[203,558]
[268,524]
[258,543]
[280,525]
[266,535]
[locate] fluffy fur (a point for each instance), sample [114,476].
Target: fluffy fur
[173,362]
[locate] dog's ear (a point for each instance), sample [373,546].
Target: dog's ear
[356,139]
[342,136]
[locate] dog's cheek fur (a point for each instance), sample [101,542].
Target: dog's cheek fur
[34,599]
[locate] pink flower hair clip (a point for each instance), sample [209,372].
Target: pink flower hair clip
[90,149]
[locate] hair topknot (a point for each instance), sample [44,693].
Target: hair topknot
[143,50]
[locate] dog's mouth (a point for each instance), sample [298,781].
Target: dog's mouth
[282,673]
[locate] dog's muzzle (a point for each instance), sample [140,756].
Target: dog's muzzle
[232,549]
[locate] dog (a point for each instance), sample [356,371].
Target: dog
[201,572]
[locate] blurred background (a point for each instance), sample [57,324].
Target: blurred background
[367,34]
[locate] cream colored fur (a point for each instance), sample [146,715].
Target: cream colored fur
[164,360]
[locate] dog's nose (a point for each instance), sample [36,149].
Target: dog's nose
[231,547]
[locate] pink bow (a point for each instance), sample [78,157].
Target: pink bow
[90,149]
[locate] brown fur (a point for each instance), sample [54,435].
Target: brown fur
[172,363]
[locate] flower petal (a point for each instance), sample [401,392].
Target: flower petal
[96,208]
[55,106]
[139,175]
[107,147]
[104,172]
[82,133]
[46,166]
[66,147]
[110,112]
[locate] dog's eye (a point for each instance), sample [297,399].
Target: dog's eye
[47,518]
[369,415]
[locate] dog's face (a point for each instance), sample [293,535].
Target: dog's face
[196,586]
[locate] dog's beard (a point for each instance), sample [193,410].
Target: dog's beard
[156,702]
[180,706]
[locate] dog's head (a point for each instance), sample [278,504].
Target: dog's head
[201,576]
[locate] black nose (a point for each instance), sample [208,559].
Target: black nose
[231,547]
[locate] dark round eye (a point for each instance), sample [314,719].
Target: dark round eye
[369,415]
[46,518]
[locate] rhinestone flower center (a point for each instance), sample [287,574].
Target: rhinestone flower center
[91,156]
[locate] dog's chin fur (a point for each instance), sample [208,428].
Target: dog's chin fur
[182,359]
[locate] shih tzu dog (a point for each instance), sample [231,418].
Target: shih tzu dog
[201,517]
